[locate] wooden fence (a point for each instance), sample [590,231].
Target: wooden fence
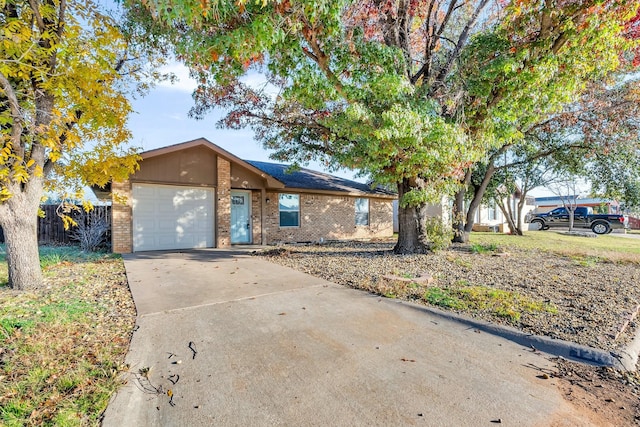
[51,229]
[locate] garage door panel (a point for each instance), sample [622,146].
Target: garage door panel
[172,217]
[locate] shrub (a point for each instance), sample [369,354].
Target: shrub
[439,233]
[91,230]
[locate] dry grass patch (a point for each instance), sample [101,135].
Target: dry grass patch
[62,347]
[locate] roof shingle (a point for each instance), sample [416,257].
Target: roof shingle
[308,179]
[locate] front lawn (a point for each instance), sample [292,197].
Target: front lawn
[62,347]
[608,247]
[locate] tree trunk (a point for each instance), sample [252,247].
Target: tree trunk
[571,217]
[477,197]
[508,215]
[521,203]
[412,235]
[19,221]
[459,233]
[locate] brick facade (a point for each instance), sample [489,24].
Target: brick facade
[223,205]
[328,217]
[121,219]
[256,217]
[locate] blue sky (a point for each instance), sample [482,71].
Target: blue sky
[161,118]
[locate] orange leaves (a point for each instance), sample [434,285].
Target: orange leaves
[282,7]
[253,59]
[632,32]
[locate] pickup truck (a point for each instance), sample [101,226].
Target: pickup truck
[583,217]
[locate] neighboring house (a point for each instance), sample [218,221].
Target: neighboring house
[434,210]
[489,217]
[197,195]
[603,206]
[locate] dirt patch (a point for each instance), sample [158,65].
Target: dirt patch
[608,396]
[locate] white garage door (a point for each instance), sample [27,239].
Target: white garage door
[172,217]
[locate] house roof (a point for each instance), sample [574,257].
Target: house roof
[307,179]
[277,176]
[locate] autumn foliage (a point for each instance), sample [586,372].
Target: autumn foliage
[410,92]
[63,111]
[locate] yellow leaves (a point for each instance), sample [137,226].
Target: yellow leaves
[67,221]
[82,124]
[87,205]
[54,156]
[5,194]
[7,150]
[20,173]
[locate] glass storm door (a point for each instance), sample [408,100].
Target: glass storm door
[240,219]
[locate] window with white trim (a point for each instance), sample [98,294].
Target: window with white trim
[362,211]
[492,211]
[289,207]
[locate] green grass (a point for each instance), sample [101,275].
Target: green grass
[54,255]
[479,248]
[603,248]
[505,304]
[62,355]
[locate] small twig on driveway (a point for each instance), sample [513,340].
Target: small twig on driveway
[192,347]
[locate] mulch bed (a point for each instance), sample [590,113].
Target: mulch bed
[596,301]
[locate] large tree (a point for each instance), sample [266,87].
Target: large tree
[596,133]
[596,137]
[409,92]
[63,110]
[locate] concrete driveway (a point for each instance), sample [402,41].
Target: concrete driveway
[227,339]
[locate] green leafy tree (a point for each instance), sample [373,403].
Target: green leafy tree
[63,110]
[409,92]
[597,131]
[594,138]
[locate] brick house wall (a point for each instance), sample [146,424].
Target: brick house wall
[121,218]
[256,217]
[223,204]
[324,214]
[329,217]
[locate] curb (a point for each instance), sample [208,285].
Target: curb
[625,360]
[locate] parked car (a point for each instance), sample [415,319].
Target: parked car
[583,217]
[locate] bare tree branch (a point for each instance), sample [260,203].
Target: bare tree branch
[16,114]
[464,35]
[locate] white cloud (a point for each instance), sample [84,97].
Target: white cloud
[184,83]
[258,81]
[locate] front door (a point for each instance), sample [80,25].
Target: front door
[240,219]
